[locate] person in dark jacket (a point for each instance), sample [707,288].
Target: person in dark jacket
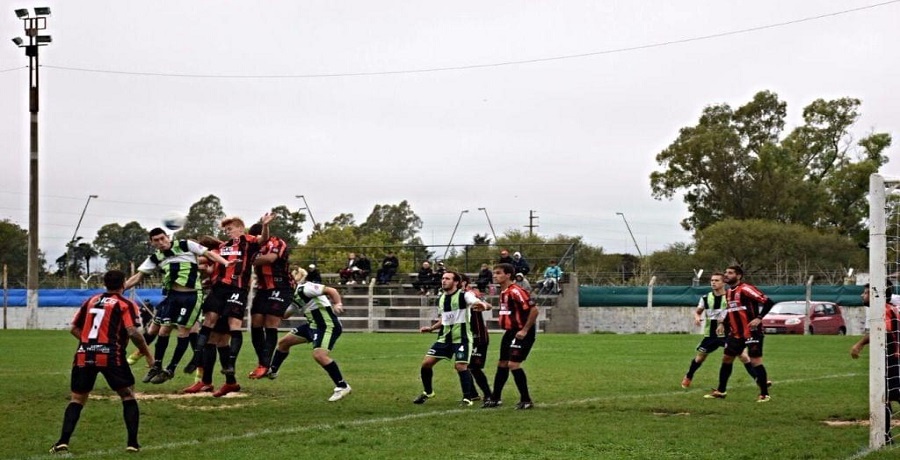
[388,268]
[485,277]
[423,279]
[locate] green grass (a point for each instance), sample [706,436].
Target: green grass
[597,396]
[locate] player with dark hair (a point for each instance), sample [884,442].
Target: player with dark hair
[746,308]
[103,325]
[712,305]
[181,305]
[518,317]
[321,305]
[274,289]
[454,338]
[480,339]
[891,352]
[230,290]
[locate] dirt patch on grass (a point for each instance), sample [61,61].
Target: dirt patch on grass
[169,396]
[212,408]
[854,422]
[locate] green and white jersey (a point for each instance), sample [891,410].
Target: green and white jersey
[712,306]
[316,305]
[178,264]
[455,315]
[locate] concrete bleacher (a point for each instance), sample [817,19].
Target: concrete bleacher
[398,307]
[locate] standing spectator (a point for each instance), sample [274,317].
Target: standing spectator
[485,276]
[274,286]
[346,273]
[454,340]
[518,317]
[438,275]
[313,275]
[362,269]
[891,351]
[550,283]
[505,258]
[521,264]
[424,277]
[321,305]
[388,268]
[747,306]
[103,326]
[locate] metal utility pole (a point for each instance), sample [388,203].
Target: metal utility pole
[308,211]
[69,252]
[632,234]
[489,223]
[531,225]
[32,27]
[454,231]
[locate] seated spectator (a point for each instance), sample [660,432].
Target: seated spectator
[523,282]
[485,277]
[521,264]
[424,278]
[388,268]
[550,283]
[362,269]
[505,258]
[346,273]
[436,277]
[313,275]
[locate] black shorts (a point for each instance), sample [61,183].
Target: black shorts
[271,301]
[179,308]
[515,350]
[458,352]
[754,345]
[479,353]
[84,378]
[225,300]
[319,338]
[892,376]
[710,344]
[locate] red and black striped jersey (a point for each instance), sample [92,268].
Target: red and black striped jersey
[745,303]
[240,252]
[476,321]
[104,320]
[892,329]
[515,305]
[278,273]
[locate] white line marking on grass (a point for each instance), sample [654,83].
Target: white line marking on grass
[400,418]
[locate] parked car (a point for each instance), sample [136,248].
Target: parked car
[788,318]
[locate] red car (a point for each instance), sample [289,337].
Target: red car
[789,318]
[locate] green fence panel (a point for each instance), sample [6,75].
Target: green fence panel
[681,296]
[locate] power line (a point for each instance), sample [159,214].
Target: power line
[489,65]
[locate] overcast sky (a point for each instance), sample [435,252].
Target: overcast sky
[141,104]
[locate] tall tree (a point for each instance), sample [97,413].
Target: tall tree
[735,164]
[122,246]
[398,221]
[287,225]
[14,251]
[203,218]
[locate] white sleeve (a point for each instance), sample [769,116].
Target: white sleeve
[196,247]
[700,304]
[313,289]
[147,267]
[471,298]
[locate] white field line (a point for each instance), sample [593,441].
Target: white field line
[385,420]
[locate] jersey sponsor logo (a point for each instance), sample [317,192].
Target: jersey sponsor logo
[229,251]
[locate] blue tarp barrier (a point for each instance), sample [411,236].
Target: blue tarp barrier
[74,297]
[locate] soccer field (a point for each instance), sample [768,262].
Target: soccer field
[597,396]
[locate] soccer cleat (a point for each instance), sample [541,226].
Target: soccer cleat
[763,399]
[272,375]
[59,448]
[134,357]
[525,405]
[162,377]
[716,394]
[465,402]
[191,367]
[258,373]
[198,387]
[490,404]
[422,398]
[152,373]
[685,382]
[475,397]
[225,389]
[340,392]
[133,449]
